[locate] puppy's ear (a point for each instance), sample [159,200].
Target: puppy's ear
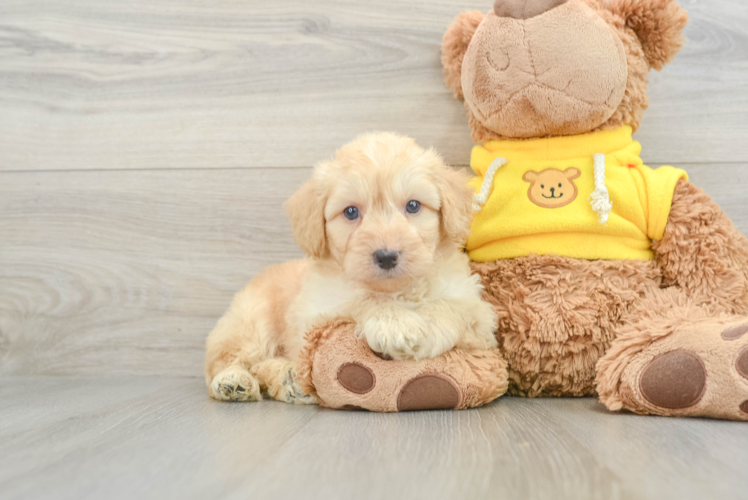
[657,23]
[306,208]
[454,44]
[456,204]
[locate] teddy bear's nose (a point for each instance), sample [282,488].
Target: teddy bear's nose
[524,9]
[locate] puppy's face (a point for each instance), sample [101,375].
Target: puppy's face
[381,209]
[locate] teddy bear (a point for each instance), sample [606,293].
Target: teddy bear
[609,278]
[341,371]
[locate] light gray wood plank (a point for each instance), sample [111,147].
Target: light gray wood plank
[128,271]
[86,84]
[155,437]
[125,272]
[725,184]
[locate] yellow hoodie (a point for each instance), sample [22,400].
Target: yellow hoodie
[586,196]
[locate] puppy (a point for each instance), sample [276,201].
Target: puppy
[383,224]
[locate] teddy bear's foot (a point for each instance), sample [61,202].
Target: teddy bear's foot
[344,373]
[235,384]
[277,378]
[700,370]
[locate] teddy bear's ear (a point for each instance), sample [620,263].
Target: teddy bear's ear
[657,23]
[530,176]
[454,44]
[572,173]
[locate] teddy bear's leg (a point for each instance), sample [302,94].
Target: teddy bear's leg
[343,372]
[703,253]
[677,358]
[277,376]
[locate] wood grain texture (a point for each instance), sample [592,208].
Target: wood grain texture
[86,84]
[145,152]
[160,437]
[126,272]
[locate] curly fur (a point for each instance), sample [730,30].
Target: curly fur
[569,327]
[658,24]
[557,316]
[703,253]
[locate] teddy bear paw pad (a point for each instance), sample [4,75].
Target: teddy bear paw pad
[699,370]
[674,380]
[741,365]
[744,406]
[352,408]
[735,332]
[356,378]
[429,392]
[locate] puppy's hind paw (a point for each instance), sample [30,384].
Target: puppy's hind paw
[290,392]
[235,384]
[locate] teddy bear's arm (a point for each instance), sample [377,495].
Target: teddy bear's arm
[702,251]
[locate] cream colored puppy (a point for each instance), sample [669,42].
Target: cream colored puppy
[383,224]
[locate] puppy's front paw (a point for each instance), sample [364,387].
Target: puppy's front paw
[482,332]
[401,336]
[235,384]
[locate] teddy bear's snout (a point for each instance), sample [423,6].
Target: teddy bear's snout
[524,9]
[533,76]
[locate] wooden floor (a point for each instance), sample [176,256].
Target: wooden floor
[146,149]
[162,437]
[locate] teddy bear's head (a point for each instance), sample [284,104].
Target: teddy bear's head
[539,68]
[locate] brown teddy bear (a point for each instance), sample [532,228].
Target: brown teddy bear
[609,278]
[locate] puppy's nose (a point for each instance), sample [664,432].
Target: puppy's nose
[524,9]
[386,259]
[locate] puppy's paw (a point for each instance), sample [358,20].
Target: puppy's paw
[400,336]
[235,384]
[277,378]
[483,329]
[289,391]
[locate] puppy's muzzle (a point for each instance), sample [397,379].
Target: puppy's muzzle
[386,259]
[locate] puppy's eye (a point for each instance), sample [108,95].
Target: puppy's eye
[559,184]
[542,186]
[351,213]
[413,206]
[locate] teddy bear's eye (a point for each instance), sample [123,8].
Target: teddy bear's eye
[559,184]
[542,186]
